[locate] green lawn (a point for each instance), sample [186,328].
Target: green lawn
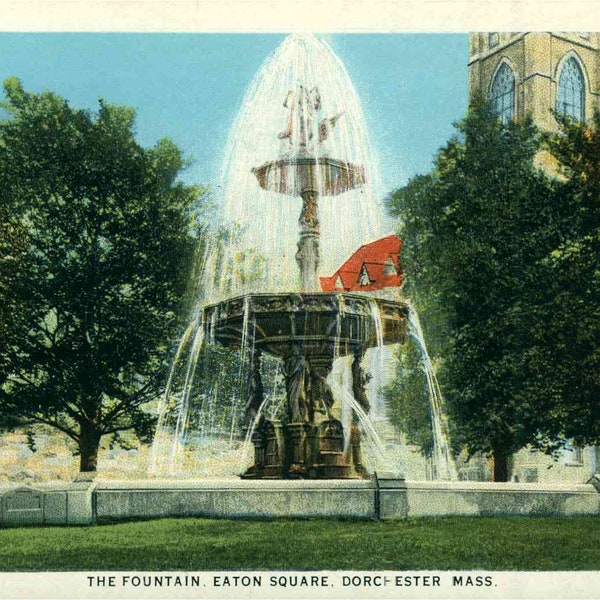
[211,544]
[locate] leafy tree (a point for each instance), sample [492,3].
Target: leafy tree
[567,332]
[13,264]
[109,235]
[476,231]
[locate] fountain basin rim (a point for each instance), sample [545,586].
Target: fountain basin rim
[234,484]
[169,484]
[324,323]
[360,296]
[289,484]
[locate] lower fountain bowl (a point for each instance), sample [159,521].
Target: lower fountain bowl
[323,323]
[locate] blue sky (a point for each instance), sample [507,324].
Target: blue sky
[188,87]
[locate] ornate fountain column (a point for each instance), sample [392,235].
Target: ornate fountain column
[307,256]
[309,441]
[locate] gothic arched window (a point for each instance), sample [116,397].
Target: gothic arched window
[570,99]
[503,93]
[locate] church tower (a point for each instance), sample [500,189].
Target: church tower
[536,72]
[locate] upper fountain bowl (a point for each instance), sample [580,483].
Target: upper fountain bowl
[295,175]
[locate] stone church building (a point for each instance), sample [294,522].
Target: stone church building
[536,73]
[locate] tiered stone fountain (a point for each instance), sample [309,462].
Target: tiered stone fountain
[306,329]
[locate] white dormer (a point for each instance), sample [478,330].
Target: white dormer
[363,278]
[389,268]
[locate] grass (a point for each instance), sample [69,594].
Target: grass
[223,544]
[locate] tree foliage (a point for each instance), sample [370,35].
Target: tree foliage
[477,232]
[103,235]
[567,336]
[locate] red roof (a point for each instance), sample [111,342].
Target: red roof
[372,267]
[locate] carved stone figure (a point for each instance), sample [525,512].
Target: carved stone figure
[297,381]
[254,390]
[360,380]
[320,394]
[303,105]
[309,219]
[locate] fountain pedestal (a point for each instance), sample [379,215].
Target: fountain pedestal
[305,451]
[300,442]
[309,177]
[307,256]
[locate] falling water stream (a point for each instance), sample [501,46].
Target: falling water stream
[254,251]
[259,252]
[443,461]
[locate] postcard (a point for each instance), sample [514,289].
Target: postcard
[299,300]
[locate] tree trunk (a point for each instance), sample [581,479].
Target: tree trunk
[89,442]
[500,458]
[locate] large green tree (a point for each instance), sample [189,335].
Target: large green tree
[476,232]
[567,331]
[13,265]
[103,236]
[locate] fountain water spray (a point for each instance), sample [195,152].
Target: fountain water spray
[298,147]
[443,461]
[300,106]
[299,110]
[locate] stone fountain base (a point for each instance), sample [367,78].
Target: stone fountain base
[305,451]
[104,500]
[306,332]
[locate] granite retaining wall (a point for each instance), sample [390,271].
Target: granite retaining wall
[86,502]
